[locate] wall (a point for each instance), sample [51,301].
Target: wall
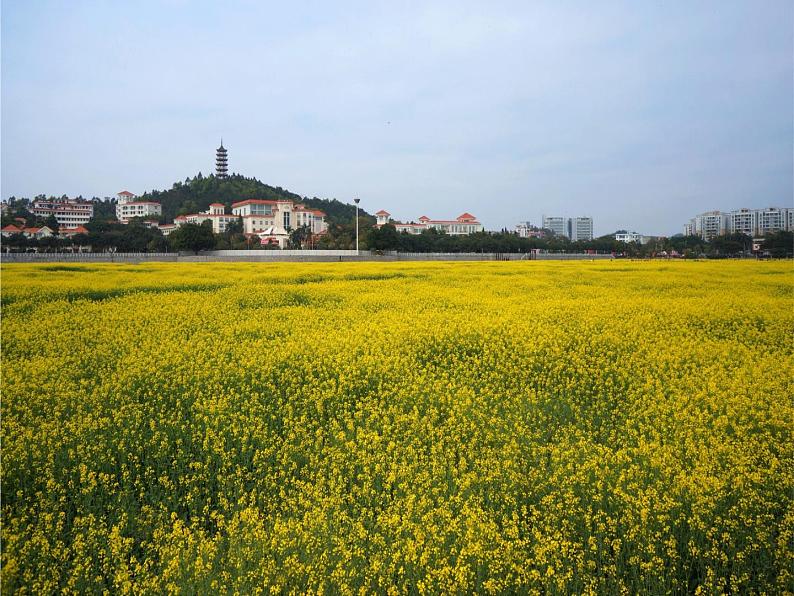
[263,256]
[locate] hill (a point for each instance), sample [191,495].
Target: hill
[195,194]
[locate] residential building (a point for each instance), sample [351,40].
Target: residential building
[744,221]
[774,219]
[751,222]
[708,225]
[69,213]
[278,218]
[127,207]
[41,232]
[166,229]
[464,224]
[10,230]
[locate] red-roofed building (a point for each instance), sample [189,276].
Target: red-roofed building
[41,232]
[128,208]
[69,232]
[464,224]
[277,218]
[216,214]
[69,213]
[10,230]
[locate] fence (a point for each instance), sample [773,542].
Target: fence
[271,256]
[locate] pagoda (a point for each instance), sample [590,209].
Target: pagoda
[221,162]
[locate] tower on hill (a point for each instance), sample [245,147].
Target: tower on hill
[221,162]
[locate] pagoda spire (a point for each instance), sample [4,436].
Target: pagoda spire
[221,161]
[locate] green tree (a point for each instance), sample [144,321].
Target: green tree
[192,237]
[52,223]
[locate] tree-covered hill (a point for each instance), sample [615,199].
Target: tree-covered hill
[195,194]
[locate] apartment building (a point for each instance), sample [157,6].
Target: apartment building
[127,207]
[752,222]
[69,213]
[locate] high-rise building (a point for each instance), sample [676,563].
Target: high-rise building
[221,162]
[580,228]
[573,228]
[752,222]
[558,225]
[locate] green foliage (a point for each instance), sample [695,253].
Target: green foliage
[196,194]
[780,244]
[192,237]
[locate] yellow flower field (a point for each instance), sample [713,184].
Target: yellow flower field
[530,427]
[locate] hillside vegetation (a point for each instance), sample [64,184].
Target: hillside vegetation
[195,194]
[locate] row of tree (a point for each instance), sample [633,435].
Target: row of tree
[195,194]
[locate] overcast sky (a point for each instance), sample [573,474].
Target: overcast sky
[639,114]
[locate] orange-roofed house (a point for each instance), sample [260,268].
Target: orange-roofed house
[41,232]
[69,232]
[10,230]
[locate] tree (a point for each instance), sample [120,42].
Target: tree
[779,244]
[52,223]
[299,236]
[384,238]
[192,237]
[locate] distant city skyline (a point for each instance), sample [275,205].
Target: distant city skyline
[637,115]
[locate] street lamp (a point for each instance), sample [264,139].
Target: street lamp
[356,201]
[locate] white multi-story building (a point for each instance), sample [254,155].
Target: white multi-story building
[630,237]
[774,219]
[216,214]
[573,228]
[525,229]
[752,222]
[127,207]
[277,218]
[464,224]
[69,213]
[708,225]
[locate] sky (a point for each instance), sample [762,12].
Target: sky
[638,114]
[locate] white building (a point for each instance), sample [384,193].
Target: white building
[127,207]
[752,222]
[525,229]
[573,228]
[774,219]
[630,237]
[69,213]
[464,224]
[216,214]
[278,218]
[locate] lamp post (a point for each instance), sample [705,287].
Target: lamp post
[356,201]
